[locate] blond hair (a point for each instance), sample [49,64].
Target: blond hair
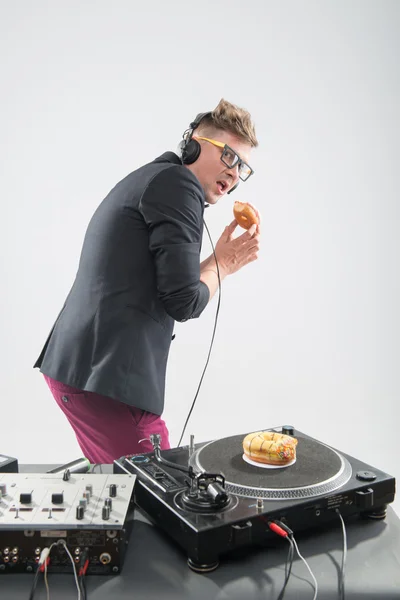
[232,118]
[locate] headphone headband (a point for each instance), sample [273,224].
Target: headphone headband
[194,124]
[190,148]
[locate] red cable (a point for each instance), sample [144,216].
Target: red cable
[276,529]
[82,570]
[42,566]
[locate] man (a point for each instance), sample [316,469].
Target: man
[139,271]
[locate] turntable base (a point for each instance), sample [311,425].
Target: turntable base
[305,495]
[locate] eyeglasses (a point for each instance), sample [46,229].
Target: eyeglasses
[230,158]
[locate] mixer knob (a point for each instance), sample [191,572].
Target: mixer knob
[83,502]
[108,502]
[3,489]
[89,488]
[80,511]
[113,490]
[87,496]
[105,513]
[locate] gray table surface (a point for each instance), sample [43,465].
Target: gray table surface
[156,568]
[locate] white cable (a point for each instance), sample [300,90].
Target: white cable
[43,556]
[45,553]
[308,567]
[344,556]
[73,567]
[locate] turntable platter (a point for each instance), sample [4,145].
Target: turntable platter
[318,469]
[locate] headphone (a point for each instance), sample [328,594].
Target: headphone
[190,149]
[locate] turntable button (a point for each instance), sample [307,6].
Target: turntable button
[366,475]
[288,429]
[242,533]
[365,498]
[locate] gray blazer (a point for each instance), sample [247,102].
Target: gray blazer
[139,271]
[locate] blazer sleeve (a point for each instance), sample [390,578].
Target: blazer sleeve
[172,206]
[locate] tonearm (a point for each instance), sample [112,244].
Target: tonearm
[204,488]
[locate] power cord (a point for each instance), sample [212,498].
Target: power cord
[212,338]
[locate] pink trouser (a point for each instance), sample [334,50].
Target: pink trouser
[107,429]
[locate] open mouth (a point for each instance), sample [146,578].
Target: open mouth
[222,186]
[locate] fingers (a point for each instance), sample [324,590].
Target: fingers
[248,251]
[250,258]
[248,234]
[232,226]
[229,229]
[252,229]
[252,244]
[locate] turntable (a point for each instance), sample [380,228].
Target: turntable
[211,501]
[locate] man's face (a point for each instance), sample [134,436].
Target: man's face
[214,176]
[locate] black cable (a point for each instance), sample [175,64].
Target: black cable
[212,338]
[34,583]
[289,559]
[82,587]
[82,567]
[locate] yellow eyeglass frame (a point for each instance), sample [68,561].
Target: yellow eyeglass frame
[246,168]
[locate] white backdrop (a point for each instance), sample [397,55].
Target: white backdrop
[307,335]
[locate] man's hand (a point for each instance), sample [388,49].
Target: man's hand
[233,254]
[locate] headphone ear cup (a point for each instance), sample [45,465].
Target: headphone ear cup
[191,152]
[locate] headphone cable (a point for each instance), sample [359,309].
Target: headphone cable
[212,338]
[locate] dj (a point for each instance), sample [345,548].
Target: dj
[139,271]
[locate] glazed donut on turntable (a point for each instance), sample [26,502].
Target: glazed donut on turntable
[270,448]
[245,214]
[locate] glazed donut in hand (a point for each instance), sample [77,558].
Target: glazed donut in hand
[270,448]
[245,214]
